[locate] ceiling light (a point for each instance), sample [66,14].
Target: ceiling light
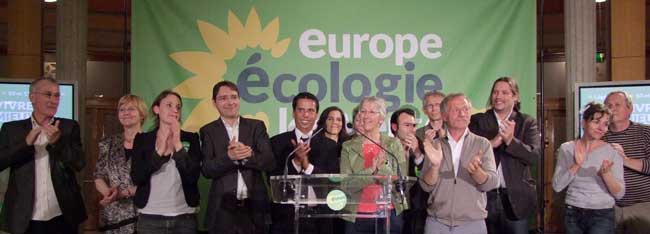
[49,0]
[596,0]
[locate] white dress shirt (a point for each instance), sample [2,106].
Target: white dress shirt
[298,167]
[46,206]
[456,148]
[311,194]
[233,132]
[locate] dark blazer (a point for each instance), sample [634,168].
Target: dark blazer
[418,198]
[516,158]
[411,160]
[415,216]
[223,171]
[324,155]
[146,161]
[66,158]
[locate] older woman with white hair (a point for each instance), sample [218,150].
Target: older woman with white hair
[362,155]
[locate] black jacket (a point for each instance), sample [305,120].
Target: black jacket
[324,155]
[223,171]
[146,161]
[66,158]
[516,158]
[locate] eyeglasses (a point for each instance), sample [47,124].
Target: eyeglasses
[368,112]
[49,94]
[127,109]
[226,98]
[431,106]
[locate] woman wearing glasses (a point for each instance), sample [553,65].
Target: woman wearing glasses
[363,155]
[112,171]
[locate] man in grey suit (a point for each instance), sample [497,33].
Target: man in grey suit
[43,153]
[236,151]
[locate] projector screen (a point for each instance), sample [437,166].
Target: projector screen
[639,90]
[15,104]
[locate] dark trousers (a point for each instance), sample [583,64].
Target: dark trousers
[57,225]
[414,221]
[283,221]
[501,219]
[373,225]
[306,226]
[158,224]
[588,221]
[245,220]
[415,217]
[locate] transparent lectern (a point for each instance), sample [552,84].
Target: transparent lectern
[340,195]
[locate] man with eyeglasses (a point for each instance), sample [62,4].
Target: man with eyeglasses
[313,155]
[236,152]
[402,125]
[431,107]
[43,154]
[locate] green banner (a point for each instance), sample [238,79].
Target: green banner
[339,50]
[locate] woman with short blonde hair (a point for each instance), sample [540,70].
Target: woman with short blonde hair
[113,168]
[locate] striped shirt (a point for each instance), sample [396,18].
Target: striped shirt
[636,144]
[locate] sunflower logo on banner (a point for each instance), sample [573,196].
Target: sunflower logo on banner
[209,67]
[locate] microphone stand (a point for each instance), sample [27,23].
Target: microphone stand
[285,178]
[400,180]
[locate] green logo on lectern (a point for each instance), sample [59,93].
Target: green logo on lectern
[336,199]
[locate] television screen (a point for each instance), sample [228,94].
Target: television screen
[639,90]
[15,104]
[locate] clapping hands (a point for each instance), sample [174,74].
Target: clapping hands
[507,131]
[580,152]
[238,151]
[474,165]
[302,153]
[432,150]
[168,139]
[475,168]
[52,132]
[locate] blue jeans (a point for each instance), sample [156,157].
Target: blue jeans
[588,221]
[501,219]
[158,224]
[372,225]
